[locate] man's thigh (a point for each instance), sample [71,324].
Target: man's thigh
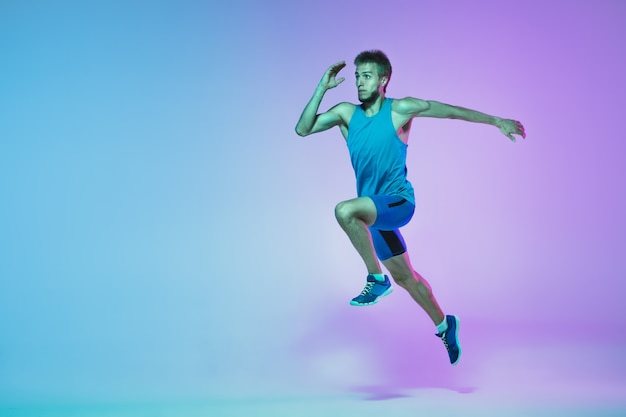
[387,243]
[392,212]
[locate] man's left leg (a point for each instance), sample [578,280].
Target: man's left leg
[405,276]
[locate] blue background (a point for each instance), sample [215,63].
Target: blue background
[165,234]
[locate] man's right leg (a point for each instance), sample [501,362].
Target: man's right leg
[355,216]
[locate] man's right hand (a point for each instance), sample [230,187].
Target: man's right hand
[310,121]
[329,80]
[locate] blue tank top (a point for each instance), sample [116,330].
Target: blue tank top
[378,155]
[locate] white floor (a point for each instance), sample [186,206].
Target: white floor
[422,402]
[503,376]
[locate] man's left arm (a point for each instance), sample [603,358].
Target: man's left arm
[429,108]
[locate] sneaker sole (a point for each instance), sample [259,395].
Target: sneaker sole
[456,336]
[386,293]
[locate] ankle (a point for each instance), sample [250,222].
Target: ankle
[443,326]
[379,276]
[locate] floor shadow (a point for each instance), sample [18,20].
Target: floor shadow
[378,393]
[404,351]
[382,393]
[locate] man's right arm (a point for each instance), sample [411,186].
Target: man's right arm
[312,122]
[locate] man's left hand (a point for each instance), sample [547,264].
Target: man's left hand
[511,127]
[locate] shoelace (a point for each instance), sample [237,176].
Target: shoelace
[368,288]
[445,342]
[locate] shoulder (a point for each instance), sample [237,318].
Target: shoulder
[343,110]
[409,106]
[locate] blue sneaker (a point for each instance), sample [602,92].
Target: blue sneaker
[374,290]
[450,339]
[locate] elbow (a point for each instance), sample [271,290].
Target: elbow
[301,132]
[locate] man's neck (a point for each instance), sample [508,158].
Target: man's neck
[372,107]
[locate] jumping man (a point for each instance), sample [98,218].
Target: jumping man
[377,133]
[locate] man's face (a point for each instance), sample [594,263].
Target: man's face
[368,83]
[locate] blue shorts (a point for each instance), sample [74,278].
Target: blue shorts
[392,212]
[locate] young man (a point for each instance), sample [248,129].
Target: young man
[377,133]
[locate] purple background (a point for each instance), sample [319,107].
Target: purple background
[164,233]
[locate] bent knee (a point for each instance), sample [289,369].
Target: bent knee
[357,209]
[344,212]
[402,277]
[401,272]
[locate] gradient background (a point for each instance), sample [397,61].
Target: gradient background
[165,235]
